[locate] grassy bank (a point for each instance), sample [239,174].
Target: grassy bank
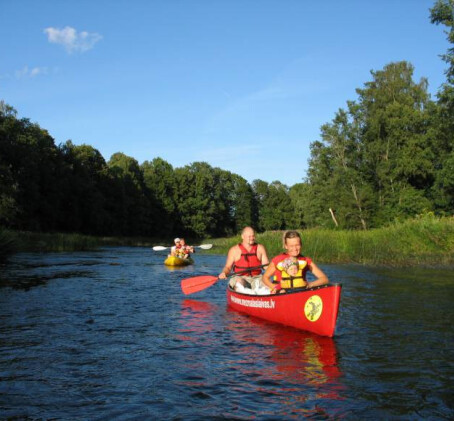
[18,241]
[425,241]
[8,244]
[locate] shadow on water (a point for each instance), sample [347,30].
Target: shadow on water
[25,282]
[35,269]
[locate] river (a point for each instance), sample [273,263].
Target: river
[108,335]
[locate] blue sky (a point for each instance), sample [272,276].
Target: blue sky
[243,85]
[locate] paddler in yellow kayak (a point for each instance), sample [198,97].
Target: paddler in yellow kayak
[181,249]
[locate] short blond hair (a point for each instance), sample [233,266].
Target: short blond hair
[290,234]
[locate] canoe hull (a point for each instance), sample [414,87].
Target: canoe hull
[314,310]
[177,261]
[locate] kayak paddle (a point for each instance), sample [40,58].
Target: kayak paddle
[202,246]
[199,283]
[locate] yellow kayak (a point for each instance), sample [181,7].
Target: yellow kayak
[177,261]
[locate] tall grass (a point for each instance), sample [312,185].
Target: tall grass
[58,242]
[423,241]
[8,244]
[55,242]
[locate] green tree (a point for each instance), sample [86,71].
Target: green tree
[244,207]
[30,166]
[299,196]
[275,208]
[132,206]
[160,180]
[350,192]
[376,159]
[443,14]
[320,189]
[8,187]
[204,200]
[86,206]
[398,141]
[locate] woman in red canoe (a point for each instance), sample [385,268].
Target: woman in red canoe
[290,268]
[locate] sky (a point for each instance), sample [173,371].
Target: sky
[244,85]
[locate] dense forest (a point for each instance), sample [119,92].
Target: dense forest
[388,155]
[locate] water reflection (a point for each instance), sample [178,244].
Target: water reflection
[178,268]
[300,356]
[197,318]
[279,362]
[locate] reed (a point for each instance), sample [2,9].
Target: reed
[55,242]
[26,241]
[424,241]
[8,244]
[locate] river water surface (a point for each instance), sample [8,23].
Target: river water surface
[108,335]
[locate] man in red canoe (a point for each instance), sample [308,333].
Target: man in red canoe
[241,257]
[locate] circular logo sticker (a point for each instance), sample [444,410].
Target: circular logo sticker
[313,308]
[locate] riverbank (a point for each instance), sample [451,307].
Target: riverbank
[12,242]
[425,241]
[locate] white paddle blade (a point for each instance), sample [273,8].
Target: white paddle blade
[205,246]
[160,248]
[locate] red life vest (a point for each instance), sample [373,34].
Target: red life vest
[248,259]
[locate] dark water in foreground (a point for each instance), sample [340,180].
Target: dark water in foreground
[108,335]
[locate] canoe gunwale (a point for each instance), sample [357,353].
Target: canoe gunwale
[288,292]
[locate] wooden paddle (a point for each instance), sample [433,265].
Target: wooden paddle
[202,246]
[199,283]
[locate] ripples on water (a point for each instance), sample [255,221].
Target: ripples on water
[109,335]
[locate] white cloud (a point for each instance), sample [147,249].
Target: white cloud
[72,40]
[27,72]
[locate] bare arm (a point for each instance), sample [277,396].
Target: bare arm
[266,277]
[322,279]
[261,254]
[231,258]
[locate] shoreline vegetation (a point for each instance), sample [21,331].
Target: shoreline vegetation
[423,241]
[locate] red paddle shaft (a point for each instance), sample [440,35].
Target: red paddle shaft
[199,283]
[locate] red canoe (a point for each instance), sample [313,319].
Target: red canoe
[314,310]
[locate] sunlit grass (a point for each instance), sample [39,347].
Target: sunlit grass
[423,241]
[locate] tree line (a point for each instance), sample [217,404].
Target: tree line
[387,155]
[70,188]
